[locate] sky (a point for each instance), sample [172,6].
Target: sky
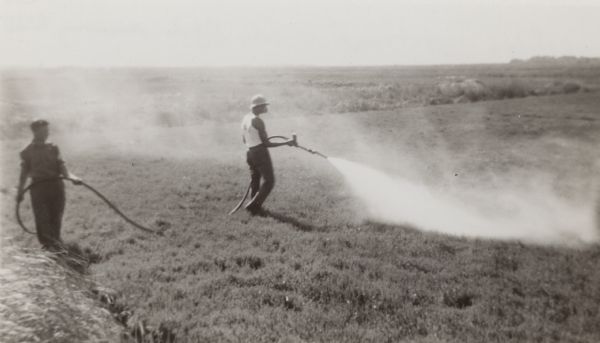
[48,33]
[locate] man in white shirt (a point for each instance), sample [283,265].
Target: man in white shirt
[254,136]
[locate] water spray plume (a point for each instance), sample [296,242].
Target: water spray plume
[399,201]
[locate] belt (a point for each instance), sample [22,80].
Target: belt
[45,179]
[256,147]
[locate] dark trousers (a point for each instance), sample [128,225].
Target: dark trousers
[48,203]
[259,161]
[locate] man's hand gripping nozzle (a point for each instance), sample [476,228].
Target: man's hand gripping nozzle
[295,144]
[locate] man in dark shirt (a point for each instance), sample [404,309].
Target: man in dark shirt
[254,136]
[41,161]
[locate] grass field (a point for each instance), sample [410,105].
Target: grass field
[318,269]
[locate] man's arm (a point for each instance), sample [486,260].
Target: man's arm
[64,171]
[22,179]
[25,168]
[262,133]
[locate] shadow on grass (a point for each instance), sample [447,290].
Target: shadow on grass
[299,225]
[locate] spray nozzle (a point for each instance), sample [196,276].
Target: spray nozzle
[295,139]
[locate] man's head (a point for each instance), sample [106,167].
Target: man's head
[40,130]
[259,105]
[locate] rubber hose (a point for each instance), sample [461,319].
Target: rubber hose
[97,193]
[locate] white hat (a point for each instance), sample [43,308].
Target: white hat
[258,100]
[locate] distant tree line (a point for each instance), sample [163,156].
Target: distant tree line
[562,60]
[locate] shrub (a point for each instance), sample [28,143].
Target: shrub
[571,87]
[514,88]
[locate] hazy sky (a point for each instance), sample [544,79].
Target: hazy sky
[308,32]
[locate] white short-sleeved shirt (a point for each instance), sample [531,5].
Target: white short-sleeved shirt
[250,133]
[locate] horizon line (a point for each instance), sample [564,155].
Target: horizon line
[264,66]
[242,66]
[284,65]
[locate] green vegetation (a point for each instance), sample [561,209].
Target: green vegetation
[317,270]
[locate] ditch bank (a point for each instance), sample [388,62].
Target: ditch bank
[50,297]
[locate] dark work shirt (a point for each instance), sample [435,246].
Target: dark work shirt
[41,160]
